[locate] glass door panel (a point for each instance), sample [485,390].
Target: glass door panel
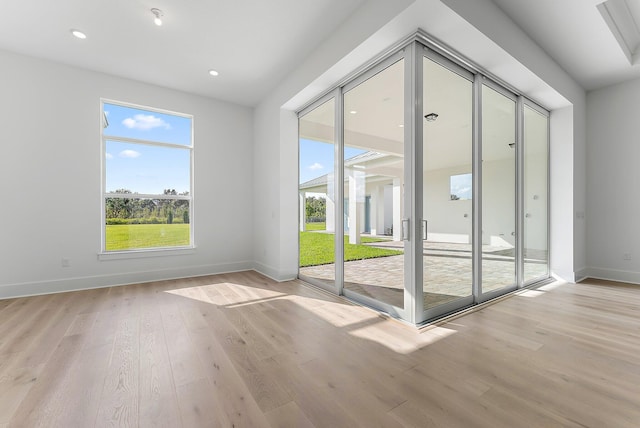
[316,194]
[447,191]
[498,190]
[536,146]
[374,188]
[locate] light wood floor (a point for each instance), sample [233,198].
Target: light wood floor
[240,350]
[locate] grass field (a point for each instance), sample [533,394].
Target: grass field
[318,248]
[316,226]
[134,236]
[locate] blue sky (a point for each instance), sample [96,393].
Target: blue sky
[461,185]
[316,158]
[142,168]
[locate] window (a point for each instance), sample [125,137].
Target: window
[147,158]
[460,187]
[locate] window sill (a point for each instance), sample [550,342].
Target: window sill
[137,254]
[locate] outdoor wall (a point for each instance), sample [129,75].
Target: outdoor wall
[50,173]
[614,177]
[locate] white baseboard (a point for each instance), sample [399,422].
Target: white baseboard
[273,273]
[34,288]
[613,275]
[581,274]
[564,276]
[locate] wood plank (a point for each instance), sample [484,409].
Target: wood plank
[15,383]
[185,366]
[243,350]
[158,399]
[232,402]
[288,416]
[45,401]
[120,397]
[195,405]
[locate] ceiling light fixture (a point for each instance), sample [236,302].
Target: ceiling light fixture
[431,117]
[78,34]
[213,73]
[158,16]
[353,112]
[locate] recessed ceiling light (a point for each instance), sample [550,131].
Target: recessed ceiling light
[353,112]
[158,14]
[213,73]
[79,34]
[401,126]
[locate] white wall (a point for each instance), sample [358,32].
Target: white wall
[613,181]
[50,174]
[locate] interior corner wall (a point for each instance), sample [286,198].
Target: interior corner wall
[50,172]
[613,180]
[561,173]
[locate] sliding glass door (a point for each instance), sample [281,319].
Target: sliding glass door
[535,194]
[375,192]
[499,147]
[423,187]
[447,185]
[317,194]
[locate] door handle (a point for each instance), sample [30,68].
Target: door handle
[424,230]
[405,229]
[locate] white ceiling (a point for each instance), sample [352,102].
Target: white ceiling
[576,36]
[252,43]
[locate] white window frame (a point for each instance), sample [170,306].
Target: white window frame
[103,254]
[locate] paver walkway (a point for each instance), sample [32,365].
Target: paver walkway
[448,272]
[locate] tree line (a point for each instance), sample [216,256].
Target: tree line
[146,211]
[315,208]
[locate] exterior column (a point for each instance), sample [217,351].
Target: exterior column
[356,203]
[330,215]
[330,207]
[377,210]
[303,210]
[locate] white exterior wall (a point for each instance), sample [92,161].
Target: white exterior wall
[613,182]
[50,167]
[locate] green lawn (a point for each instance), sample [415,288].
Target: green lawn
[133,236]
[318,249]
[317,226]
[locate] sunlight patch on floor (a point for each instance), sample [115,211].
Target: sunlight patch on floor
[403,343]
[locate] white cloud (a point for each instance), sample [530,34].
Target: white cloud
[145,122]
[132,154]
[316,166]
[108,156]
